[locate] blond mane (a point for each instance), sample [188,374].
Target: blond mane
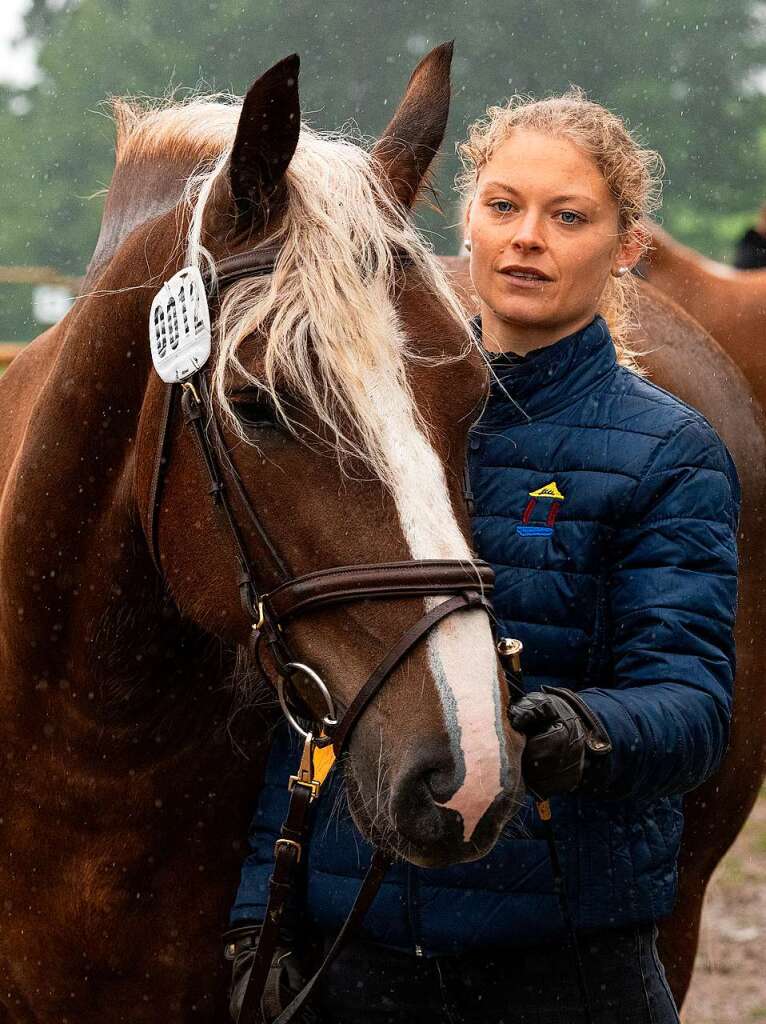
[327,316]
[193,130]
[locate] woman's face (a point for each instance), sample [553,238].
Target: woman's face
[543,232]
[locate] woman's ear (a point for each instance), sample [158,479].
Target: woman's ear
[633,245]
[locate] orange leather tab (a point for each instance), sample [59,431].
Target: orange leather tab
[324,759]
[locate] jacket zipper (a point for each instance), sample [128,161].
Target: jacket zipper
[412,908]
[468,497]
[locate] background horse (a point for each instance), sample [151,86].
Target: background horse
[123,798]
[729,303]
[682,357]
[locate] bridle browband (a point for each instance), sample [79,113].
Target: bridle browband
[462,585]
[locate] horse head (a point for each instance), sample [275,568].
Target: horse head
[342,384]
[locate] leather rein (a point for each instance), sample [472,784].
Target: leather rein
[463,586]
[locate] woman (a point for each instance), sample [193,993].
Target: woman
[608,509]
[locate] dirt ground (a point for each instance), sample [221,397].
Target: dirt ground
[729,984]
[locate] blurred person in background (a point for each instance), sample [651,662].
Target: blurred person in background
[750,251]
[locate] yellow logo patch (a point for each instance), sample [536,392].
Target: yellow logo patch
[549,491]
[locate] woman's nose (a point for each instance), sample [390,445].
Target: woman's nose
[528,236]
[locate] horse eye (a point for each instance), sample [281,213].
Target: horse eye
[253,409]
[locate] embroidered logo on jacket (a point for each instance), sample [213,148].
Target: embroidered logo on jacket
[540,514]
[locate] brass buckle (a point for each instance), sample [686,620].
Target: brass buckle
[290,842]
[309,774]
[188,386]
[261,617]
[305,774]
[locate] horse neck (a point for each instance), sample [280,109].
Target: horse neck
[674,267]
[728,303]
[95,613]
[140,190]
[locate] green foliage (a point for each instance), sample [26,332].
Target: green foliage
[681,71]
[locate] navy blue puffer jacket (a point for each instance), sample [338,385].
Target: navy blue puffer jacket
[608,510]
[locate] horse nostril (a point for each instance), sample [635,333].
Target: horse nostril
[440,782]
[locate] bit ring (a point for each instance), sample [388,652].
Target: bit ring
[329,719]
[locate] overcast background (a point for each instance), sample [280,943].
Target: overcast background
[687,74]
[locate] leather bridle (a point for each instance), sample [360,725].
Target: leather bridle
[462,585]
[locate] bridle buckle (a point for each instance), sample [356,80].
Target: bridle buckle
[309,774]
[290,842]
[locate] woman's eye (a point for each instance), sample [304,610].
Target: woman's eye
[502,205]
[570,217]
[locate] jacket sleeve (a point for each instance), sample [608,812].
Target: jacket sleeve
[671,600]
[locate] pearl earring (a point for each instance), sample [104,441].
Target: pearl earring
[622,271]
[467,244]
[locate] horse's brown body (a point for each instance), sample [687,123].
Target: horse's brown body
[731,305]
[684,359]
[690,364]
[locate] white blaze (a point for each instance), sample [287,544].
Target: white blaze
[460,648]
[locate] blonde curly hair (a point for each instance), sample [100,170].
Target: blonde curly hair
[632,172]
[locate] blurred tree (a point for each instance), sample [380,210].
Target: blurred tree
[684,72]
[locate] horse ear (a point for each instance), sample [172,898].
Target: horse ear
[267,135]
[412,139]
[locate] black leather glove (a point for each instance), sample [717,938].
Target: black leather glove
[561,733]
[286,977]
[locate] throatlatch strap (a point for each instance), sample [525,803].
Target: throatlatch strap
[155,490]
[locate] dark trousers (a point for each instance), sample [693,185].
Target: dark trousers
[625,980]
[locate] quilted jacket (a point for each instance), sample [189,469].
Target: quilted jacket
[608,509]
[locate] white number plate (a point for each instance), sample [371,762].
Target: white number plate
[179,326]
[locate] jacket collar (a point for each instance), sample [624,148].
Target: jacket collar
[548,378]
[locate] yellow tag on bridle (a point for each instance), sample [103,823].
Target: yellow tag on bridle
[324,759]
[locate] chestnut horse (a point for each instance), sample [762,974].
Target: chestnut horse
[729,303]
[123,795]
[683,358]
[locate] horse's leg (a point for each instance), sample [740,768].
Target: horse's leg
[679,935]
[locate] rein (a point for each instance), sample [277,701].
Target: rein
[180,335]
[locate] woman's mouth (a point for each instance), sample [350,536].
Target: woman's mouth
[525,277]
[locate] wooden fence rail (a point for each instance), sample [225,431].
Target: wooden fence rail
[9,350]
[31,275]
[38,275]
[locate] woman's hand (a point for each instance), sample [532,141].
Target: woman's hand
[561,730]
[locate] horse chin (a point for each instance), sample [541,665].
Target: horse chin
[441,842]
